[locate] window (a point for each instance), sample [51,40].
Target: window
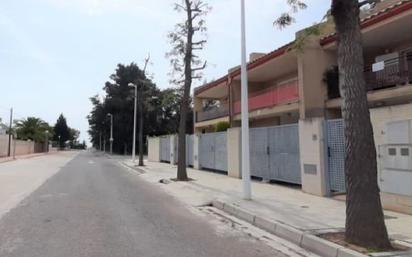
[405,152]
[392,151]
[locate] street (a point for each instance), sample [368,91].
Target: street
[93,207]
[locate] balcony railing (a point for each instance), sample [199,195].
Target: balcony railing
[272,96]
[397,71]
[214,113]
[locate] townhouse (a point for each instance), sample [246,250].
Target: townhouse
[296,133]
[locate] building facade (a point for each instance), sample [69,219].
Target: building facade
[298,90]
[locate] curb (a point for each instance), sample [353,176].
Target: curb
[134,169]
[24,157]
[305,240]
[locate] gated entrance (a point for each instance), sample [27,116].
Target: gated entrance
[189,150]
[165,149]
[274,153]
[213,151]
[335,141]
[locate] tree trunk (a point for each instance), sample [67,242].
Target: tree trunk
[181,162]
[365,225]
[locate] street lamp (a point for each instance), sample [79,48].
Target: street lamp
[141,163]
[100,142]
[60,144]
[247,191]
[111,132]
[47,140]
[134,122]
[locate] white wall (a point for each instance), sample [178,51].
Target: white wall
[154,149]
[395,184]
[312,156]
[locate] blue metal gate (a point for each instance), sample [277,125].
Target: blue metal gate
[213,151]
[274,153]
[335,141]
[165,149]
[189,149]
[259,153]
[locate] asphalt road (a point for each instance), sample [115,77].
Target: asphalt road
[94,208]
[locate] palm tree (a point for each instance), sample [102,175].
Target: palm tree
[32,128]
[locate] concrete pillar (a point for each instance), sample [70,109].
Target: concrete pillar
[233,152]
[312,89]
[173,149]
[154,149]
[312,156]
[196,145]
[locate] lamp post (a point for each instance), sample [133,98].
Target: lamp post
[247,191]
[134,122]
[100,142]
[14,144]
[47,140]
[60,145]
[111,132]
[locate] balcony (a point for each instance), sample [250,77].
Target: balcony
[397,71]
[270,97]
[214,113]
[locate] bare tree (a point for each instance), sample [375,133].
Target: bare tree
[187,38]
[365,224]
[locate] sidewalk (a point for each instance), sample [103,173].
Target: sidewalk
[272,202]
[18,179]
[26,156]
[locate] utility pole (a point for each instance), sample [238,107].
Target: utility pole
[111,132]
[10,132]
[141,163]
[134,122]
[247,191]
[100,142]
[14,146]
[47,141]
[139,97]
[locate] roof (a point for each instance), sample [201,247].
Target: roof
[385,10]
[265,58]
[253,64]
[212,84]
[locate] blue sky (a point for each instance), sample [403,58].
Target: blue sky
[55,54]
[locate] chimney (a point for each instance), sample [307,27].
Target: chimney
[254,56]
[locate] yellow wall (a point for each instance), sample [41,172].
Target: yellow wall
[312,63]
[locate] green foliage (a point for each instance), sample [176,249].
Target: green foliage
[62,132]
[286,18]
[32,128]
[222,126]
[161,109]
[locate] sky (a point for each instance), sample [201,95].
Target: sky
[56,54]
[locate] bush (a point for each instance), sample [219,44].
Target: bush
[222,126]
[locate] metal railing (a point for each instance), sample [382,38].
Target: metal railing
[271,96]
[397,71]
[214,113]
